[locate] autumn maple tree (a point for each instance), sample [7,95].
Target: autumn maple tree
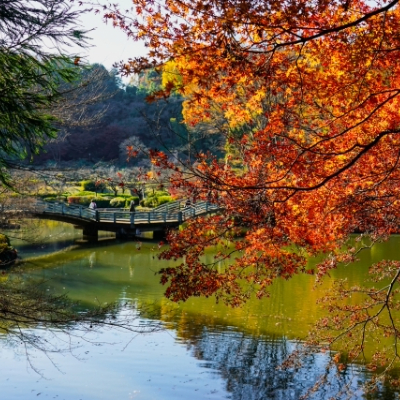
[306,95]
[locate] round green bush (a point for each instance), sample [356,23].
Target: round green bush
[93,186]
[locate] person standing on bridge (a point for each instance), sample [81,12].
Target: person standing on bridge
[92,205]
[132,206]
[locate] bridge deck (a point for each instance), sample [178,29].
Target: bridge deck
[171,214]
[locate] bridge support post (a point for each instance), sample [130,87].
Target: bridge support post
[121,234]
[90,233]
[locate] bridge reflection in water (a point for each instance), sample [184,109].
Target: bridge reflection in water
[124,223]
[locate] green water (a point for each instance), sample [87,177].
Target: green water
[203,351]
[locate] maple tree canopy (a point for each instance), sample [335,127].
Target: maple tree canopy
[306,94]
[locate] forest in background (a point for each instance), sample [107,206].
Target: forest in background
[121,116]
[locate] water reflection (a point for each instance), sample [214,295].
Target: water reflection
[212,362]
[249,366]
[207,351]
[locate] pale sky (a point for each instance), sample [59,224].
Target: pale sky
[109,44]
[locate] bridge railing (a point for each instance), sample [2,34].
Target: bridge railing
[123,215]
[199,208]
[137,217]
[171,207]
[65,209]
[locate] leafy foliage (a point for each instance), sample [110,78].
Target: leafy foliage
[306,95]
[30,75]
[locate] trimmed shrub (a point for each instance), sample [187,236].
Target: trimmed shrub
[149,202]
[85,201]
[156,193]
[123,202]
[80,200]
[49,198]
[127,195]
[102,203]
[164,199]
[117,202]
[90,185]
[160,193]
[130,198]
[156,199]
[54,198]
[85,193]
[73,199]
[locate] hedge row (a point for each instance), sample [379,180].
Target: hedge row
[123,202]
[155,201]
[101,202]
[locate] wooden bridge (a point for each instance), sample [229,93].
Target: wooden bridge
[124,223]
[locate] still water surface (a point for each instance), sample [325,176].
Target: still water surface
[204,351]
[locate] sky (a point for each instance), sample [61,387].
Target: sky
[109,44]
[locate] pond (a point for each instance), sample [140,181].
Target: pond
[196,350]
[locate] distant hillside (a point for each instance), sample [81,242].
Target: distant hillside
[117,115]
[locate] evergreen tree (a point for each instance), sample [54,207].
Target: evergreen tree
[34,38]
